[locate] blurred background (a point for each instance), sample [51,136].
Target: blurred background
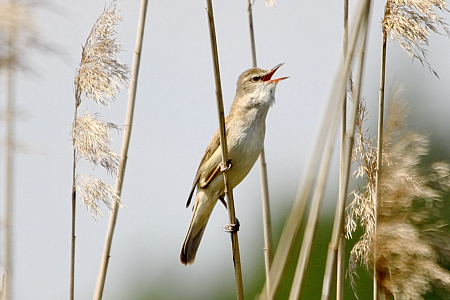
[175,117]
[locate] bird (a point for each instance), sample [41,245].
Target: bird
[245,128]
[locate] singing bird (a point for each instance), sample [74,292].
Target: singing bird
[245,128]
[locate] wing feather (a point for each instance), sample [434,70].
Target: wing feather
[210,150]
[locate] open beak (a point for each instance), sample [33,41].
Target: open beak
[267,78]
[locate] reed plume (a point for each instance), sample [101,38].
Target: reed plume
[100,74]
[92,190]
[410,22]
[362,209]
[92,141]
[99,77]
[408,247]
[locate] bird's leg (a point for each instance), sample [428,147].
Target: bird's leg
[230,228]
[226,207]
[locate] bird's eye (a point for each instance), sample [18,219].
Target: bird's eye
[256,78]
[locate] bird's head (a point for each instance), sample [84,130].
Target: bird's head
[256,88]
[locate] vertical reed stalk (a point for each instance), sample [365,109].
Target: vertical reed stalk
[268,249]
[124,152]
[268,252]
[2,285]
[10,145]
[252,32]
[379,156]
[74,206]
[223,143]
[340,265]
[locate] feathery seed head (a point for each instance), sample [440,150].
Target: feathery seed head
[406,254]
[92,141]
[410,22]
[100,74]
[93,191]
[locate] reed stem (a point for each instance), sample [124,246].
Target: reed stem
[268,251]
[340,265]
[223,143]
[9,170]
[379,157]
[124,152]
[74,206]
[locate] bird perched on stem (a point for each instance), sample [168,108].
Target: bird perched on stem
[245,128]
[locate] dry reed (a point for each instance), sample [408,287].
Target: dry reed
[99,77]
[98,294]
[407,247]
[100,74]
[92,191]
[223,142]
[410,22]
[267,222]
[92,141]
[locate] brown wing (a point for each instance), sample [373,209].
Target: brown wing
[212,147]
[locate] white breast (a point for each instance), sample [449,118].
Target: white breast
[246,142]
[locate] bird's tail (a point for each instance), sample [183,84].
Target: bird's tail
[200,216]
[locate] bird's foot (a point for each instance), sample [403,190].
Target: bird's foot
[226,166]
[230,228]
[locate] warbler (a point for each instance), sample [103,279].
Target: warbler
[245,129]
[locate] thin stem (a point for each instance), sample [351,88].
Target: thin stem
[268,249]
[268,252]
[2,285]
[74,197]
[74,202]
[379,157]
[223,142]
[124,152]
[10,145]
[340,267]
[340,272]
[252,32]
